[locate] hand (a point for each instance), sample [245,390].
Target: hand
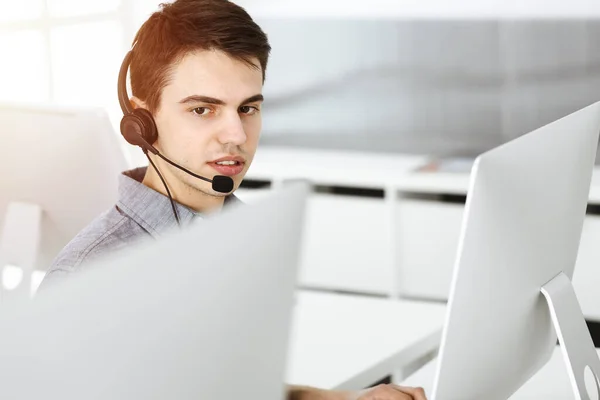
[391,392]
[381,392]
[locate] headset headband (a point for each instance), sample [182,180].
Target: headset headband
[122,86]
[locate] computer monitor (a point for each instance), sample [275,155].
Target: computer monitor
[65,163]
[524,214]
[203,313]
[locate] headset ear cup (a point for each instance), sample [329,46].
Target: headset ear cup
[132,129]
[149,131]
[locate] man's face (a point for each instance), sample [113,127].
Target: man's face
[209,118]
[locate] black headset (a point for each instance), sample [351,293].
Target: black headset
[139,129]
[137,125]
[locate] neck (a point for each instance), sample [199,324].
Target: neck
[180,192]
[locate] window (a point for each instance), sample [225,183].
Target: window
[65,52]
[24,74]
[21,10]
[85,60]
[70,8]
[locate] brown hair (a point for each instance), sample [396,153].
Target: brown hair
[189,25]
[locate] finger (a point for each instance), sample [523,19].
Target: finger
[417,393]
[385,392]
[390,393]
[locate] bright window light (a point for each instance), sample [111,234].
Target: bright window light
[20,10]
[23,70]
[11,277]
[70,8]
[85,63]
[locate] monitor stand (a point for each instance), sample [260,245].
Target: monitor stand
[576,343]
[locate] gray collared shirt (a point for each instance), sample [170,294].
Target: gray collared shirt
[140,213]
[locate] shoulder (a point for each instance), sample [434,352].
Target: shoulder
[109,232]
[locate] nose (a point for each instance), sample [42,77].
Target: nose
[232,131]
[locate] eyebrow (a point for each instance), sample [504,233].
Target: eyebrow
[219,102]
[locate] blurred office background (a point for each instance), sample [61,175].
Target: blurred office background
[381,82]
[373,87]
[425,86]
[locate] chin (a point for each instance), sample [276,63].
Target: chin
[219,194]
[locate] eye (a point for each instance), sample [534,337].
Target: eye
[201,110]
[249,110]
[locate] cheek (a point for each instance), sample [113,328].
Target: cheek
[171,128]
[252,128]
[180,136]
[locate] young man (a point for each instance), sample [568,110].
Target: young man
[198,67]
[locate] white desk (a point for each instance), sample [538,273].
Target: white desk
[551,382]
[332,167]
[350,342]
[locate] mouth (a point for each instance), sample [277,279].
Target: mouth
[229,166]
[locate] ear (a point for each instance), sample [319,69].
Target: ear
[137,103]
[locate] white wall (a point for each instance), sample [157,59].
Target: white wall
[394,9]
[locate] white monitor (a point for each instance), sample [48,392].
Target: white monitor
[204,313]
[523,220]
[65,163]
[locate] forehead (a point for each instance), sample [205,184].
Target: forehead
[215,74]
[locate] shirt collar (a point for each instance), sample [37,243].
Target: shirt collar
[151,209]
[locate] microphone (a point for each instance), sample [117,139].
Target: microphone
[220,183]
[132,133]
